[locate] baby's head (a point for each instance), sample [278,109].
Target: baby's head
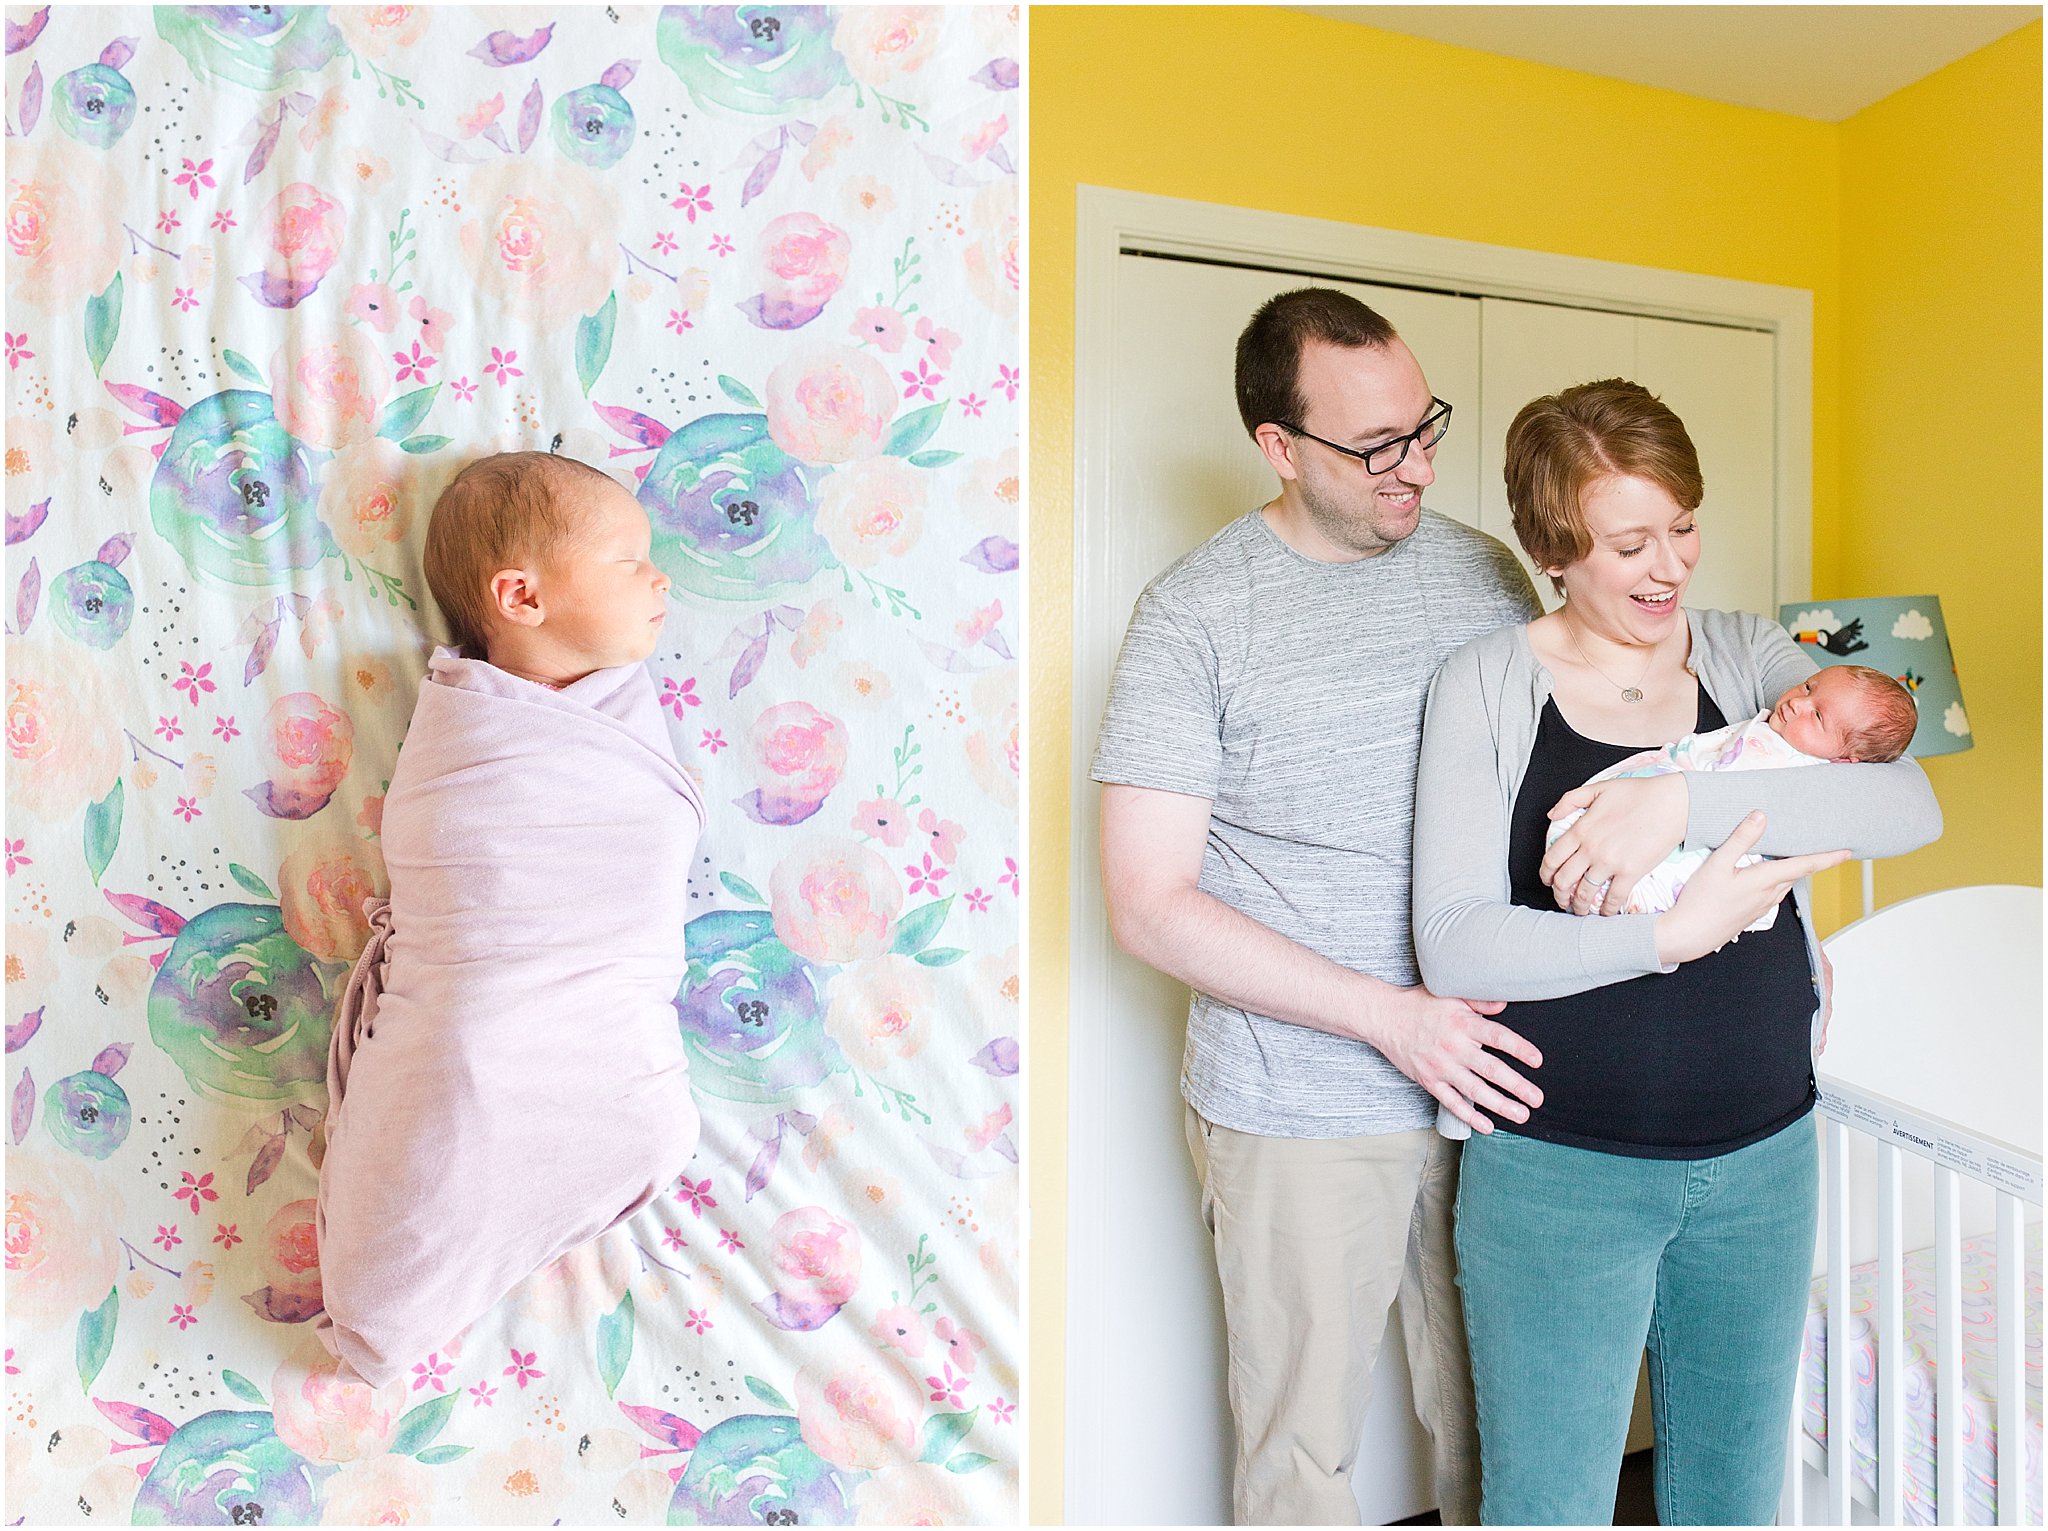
[540,564]
[1848,712]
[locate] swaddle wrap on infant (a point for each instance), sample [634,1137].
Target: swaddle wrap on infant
[506,1077]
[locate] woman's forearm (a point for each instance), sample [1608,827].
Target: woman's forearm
[1867,810]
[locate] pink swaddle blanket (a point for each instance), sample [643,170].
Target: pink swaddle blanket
[506,1077]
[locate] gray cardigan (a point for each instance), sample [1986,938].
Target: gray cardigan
[1471,942]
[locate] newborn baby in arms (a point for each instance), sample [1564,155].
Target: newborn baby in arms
[506,1078]
[1840,713]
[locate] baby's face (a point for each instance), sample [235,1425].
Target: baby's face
[1819,717]
[603,595]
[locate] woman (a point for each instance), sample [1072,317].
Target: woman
[1665,1189]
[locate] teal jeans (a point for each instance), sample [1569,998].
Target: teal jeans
[1571,1261]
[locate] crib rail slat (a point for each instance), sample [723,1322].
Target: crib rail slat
[1891,1335]
[1948,1347]
[2012,1347]
[1841,1451]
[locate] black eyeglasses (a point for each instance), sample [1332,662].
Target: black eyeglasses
[1389,455]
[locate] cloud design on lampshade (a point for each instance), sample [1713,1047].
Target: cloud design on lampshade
[1913,624]
[1822,621]
[1955,721]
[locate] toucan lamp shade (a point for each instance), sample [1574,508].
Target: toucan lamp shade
[1905,637]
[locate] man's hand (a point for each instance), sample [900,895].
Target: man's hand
[1441,1045]
[1630,824]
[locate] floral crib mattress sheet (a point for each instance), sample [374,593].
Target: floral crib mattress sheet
[1980,1422]
[274,274]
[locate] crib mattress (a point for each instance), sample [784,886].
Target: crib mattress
[1979,1384]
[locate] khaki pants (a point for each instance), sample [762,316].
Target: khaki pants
[1315,1238]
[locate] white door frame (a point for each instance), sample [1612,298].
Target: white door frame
[1107,223]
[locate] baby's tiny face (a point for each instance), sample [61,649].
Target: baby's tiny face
[602,592]
[1819,717]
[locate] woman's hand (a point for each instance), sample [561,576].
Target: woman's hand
[1721,899]
[1630,824]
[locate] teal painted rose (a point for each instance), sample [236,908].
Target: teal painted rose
[752,1011]
[237,494]
[593,124]
[243,1009]
[88,1113]
[95,104]
[751,58]
[228,1468]
[755,1469]
[93,601]
[259,46]
[734,515]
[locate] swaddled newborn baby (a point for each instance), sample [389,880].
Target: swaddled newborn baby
[1840,713]
[506,1077]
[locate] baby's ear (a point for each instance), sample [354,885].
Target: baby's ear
[515,596]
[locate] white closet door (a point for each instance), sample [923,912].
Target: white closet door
[1144,1312]
[1716,379]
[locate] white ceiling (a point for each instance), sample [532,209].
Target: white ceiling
[1826,62]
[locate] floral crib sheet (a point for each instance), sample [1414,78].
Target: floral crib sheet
[274,274]
[1980,1423]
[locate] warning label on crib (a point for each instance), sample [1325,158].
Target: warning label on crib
[1979,1158]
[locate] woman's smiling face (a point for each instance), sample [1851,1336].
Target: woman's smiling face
[1630,585]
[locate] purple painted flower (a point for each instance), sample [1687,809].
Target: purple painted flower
[593,124]
[95,104]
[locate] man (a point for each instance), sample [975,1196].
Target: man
[1258,758]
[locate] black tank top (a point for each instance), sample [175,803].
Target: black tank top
[1682,1065]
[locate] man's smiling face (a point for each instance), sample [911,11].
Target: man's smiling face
[1359,397]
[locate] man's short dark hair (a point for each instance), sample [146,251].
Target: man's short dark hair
[1269,350]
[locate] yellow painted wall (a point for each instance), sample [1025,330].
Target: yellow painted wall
[1941,322]
[1273,109]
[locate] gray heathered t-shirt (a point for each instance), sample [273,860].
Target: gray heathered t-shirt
[1290,693]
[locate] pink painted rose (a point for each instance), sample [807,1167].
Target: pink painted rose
[540,244]
[885,46]
[307,229]
[325,880]
[367,497]
[880,1011]
[861,1415]
[381,1491]
[830,406]
[63,238]
[868,509]
[321,1417]
[834,900]
[912,1494]
[801,261]
[63,1240]
[327,389]
[375,30]
[307,743]
[799,755]
[995,251]
[63,734]
[289,1249]
[814,1261]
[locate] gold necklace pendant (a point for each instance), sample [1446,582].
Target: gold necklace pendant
[1629,694]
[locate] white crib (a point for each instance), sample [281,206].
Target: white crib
[1931,1122]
